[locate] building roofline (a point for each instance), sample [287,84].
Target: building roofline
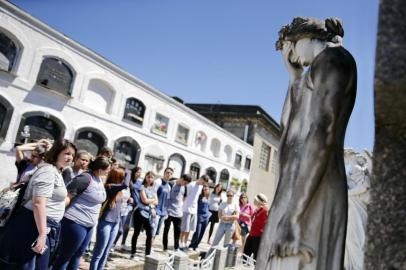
[255,110]
[25,17]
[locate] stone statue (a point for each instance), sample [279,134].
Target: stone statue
[358,167]
[307,221]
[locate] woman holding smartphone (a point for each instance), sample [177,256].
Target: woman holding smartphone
[32,233]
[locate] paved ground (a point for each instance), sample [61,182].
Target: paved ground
[120,259]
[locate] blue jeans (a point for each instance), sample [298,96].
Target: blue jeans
[105,235]
[198,234]
[226,230]
[73,242]
[158,224]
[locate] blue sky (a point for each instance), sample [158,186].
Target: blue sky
[215,51]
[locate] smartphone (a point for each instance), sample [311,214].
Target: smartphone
[35,243]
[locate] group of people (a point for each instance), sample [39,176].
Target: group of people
[66,194]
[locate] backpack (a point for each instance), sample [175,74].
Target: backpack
[10,201]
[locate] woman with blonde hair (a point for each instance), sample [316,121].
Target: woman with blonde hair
[109,219]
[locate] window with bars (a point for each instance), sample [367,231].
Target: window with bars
[264,157]
[274,168]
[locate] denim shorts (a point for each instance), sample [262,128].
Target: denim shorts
[244,228]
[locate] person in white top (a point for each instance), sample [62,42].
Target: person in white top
[228,213]
[189,219]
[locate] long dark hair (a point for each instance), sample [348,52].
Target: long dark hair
[52,155]
[144,182]
[215,187]
[100,162]
[133,172]
[241,198]
[202,193]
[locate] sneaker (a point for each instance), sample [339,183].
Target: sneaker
[133,257]
[125,248]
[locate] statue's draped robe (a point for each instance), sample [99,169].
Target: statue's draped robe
[312,181]
[358,199]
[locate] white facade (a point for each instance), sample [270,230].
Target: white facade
[97,100]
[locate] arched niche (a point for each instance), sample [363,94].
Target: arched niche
[90,139]
[224,178]
[9,50]
[195,170]
[99,96]
[39,125]
[6,112]
[212,173]
[201,140]
[177,162]
[127,151]
[215,147]
[56,74]
[228,152]
[244,185]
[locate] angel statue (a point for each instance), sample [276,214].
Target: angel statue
[358,167]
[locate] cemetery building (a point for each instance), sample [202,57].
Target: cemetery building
[51,86]
[256,127]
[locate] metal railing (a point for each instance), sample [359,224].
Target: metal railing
[203,264]
[245,262]
[169,263]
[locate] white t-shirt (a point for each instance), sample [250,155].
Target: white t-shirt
[229,210]
[157,184]
[190,203]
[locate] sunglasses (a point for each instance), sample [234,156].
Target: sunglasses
[230,195]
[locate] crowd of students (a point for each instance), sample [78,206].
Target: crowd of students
[68,194]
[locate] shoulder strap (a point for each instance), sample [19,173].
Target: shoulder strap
[89,178]
[80,191]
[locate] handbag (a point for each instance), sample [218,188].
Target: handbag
[237,232]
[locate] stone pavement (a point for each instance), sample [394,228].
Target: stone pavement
[120,259]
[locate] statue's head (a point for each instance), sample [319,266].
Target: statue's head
[361,160]
[329,30]
[304,38]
